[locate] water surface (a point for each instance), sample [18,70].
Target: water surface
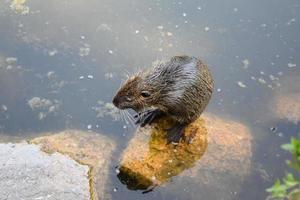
[62,61]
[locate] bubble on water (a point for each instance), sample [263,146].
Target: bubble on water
[241,84]
[4,108]
[52,52]
[184,14]
[291,65]
[51,75]
[115,189]
[199,8]
[263,25]
[110,51]
[206,29]
[137,31]
[160,27]
[89,127]
[81,77]
[219,90]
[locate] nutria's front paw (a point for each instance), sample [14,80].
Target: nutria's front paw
[148,117]
[175,133]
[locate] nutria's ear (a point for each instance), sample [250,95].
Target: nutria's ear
[145,94]
[179,58]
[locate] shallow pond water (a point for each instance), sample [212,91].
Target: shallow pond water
[62,61]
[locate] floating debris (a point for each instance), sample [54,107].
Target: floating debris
[19,7]
[11,60]
[84,51]
[273,129]
[137,31]
[291,21]
[184,14]
[81,77]
[262,81]
[169,34]
[246,63]
[108,75]
[104,109]
[110,51]
[44,106]
[89,127]
[241,84]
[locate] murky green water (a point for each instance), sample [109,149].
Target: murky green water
[62,61]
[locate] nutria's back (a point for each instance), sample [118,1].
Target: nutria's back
[185,86]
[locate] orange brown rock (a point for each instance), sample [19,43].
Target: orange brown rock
[219,146]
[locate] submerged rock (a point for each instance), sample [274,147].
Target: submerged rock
[87,148]
[220,172]
[287,106]
[28,173]
[215,162]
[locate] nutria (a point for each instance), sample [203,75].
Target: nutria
[180,88]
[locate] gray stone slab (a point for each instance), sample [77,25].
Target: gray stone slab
[27,173]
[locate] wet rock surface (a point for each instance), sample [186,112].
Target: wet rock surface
[28,173]
[148,160]
[87,148]
[215,163]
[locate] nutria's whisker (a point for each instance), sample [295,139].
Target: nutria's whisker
[130,118]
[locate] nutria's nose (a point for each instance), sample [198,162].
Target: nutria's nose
[116,102]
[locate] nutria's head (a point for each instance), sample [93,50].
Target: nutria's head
[136,93]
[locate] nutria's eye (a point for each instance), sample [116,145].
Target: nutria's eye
[145,94]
